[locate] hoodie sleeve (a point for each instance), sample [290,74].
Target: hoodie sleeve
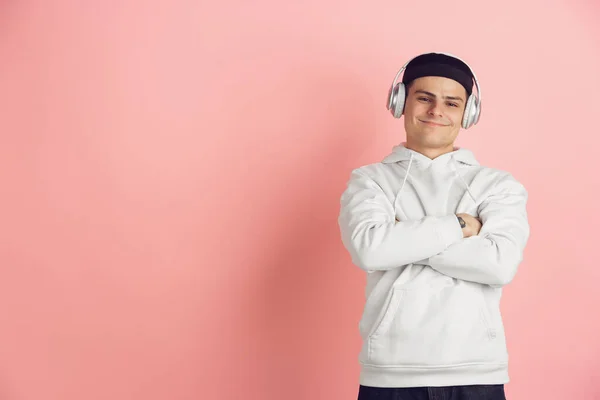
[373,237]
[492,257]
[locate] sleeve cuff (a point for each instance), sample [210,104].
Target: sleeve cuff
[449,230]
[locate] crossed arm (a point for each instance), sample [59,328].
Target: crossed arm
[376,241]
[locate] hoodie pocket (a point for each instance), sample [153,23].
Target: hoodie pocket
[426,326]
[387,314]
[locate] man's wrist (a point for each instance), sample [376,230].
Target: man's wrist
[461,221]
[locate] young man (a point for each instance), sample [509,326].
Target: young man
[439,236]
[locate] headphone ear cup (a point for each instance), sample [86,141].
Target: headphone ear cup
[390,99]
[477,111]
[399,95]
[469,114]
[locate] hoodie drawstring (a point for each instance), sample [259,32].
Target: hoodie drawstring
[462,180]
[406,175]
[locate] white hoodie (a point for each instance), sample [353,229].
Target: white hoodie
[432,315]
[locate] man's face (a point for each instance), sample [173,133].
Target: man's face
[433,112]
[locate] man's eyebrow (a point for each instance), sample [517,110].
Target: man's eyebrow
[433,95]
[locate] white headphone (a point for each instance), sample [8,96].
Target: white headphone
[397,95]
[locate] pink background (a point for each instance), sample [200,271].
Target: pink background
[170,178]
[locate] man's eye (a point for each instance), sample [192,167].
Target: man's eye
[453,104]
[424,98]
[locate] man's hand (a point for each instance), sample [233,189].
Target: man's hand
[473,225]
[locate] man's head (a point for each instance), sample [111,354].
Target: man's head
[437,89]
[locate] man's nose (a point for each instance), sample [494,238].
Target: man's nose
[435,109]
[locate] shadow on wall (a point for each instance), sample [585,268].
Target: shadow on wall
[294,305]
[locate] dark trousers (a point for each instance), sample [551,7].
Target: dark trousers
[470,392]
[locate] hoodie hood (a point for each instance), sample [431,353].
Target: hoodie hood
[401,153]
[453,158]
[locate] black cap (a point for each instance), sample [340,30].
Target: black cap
[436,64]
